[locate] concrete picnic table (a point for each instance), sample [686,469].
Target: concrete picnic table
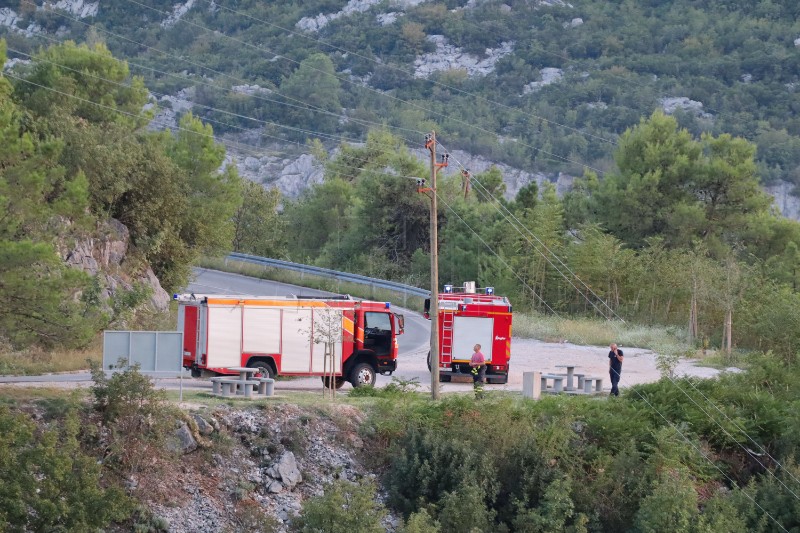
[242,386]
[244,371]
[570,375]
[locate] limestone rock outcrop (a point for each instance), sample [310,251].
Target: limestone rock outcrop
[103,254]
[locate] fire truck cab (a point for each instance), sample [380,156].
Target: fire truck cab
[470,316]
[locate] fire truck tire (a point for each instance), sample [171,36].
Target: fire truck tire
[501,380]
[429,361]
[264,368]
[338,382]
[362,374]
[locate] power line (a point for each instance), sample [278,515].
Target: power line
[351,82]
[516,224]
[398,69]
[207,135]
[505,263]
[179,128]
[707,458]
[305,105]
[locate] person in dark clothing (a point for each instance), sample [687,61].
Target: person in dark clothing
[615,358]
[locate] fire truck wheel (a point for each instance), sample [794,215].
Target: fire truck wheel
[362,374]
[263,368]
[337,382]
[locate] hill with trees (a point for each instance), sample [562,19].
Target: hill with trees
[665,224]
[541,85]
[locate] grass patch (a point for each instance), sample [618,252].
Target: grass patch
[35,361]
[314,282]
[13,395]
[597,332]
[720,360]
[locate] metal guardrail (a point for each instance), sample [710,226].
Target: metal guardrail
[407,290]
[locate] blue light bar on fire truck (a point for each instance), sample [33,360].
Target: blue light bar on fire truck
[448,289]
[489,290]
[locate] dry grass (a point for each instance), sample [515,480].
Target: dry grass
[14,395]
[596,332]
[315,282]
[36,361]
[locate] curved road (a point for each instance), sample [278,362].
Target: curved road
[413,344]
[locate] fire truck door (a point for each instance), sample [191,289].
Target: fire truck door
[469,331]
[378,333]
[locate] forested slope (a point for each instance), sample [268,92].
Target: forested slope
[666,223]
[540,85]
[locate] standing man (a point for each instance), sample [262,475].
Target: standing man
[478,364]
[615,368]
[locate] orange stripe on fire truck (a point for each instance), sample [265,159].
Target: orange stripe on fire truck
[266,303]
[347,325]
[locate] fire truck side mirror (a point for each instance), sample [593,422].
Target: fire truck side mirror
[401,324]
[426,310]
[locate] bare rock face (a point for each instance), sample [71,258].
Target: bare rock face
[787,203]
[549,75]
[321,20]
[103,254]
[449,57]
[672,104]
[183,441]
[290,173]
[285,471]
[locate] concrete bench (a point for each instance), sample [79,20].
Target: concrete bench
[266,386]
[587,384]
[230,386]
[558,381]
[245,387]
[216,383]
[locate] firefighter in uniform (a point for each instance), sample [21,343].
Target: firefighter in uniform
[478,364]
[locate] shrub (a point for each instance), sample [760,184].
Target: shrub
[137,417]
[420,522]
[47,483]
[344,507]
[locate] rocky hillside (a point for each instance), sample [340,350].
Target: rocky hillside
[263,460]
[541,86]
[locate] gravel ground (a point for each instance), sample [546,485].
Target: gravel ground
[527,355]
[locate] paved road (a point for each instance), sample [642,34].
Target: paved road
[413,344]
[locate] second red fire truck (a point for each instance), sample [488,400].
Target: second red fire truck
[470,316]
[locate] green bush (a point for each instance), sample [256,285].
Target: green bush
[47,482]
[139,418]
[578,464]
[344,507]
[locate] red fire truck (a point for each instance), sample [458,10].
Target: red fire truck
[470,316]
[278,336]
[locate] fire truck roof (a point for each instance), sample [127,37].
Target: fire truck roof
[484,299]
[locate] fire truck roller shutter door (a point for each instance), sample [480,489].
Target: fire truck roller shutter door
[262,330]
[224,336]
[296,354]
[469,331]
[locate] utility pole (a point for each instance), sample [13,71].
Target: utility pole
[430,144]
